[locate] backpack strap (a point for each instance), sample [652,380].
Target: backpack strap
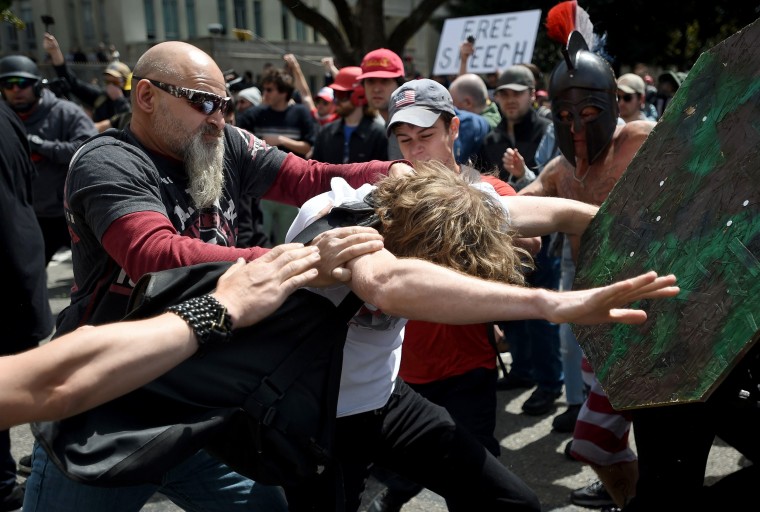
[262,402]
[492,342]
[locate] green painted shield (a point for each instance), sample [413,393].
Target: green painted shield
[688,204]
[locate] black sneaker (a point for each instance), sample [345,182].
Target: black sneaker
[25,465]
[14,500]
[509,381]
[565,422]
[540,402]
[592,496]
[569,451]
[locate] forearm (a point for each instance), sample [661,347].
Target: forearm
[300,147]
[90,366]
[145,242]
[419,290]
[299,180]
[538,216]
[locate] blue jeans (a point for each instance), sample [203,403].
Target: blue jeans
[570,349]
[535,344]
[199,484]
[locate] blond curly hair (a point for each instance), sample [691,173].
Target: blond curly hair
[435,215]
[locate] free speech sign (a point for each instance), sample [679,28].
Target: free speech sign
[501,40]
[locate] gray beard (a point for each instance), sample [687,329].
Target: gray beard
[204,164]
[204,161]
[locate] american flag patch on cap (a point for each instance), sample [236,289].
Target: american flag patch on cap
[405,98]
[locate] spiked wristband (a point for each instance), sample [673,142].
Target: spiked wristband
[207,317]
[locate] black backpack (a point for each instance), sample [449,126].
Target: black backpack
[264,404]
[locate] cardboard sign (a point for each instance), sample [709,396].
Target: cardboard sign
[688,204]
[501,40]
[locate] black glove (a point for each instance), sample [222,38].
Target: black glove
[35,142]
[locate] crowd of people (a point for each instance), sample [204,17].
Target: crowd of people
[483,189]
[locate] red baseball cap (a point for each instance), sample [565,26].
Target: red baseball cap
[346,79]
[381,63]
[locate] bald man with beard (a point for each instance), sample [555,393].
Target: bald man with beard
[164,193]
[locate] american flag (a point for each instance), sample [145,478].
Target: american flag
[405,98]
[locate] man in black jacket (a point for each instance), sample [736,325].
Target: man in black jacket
[26,315]
[359,134]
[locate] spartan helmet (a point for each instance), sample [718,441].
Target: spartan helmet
[583,79]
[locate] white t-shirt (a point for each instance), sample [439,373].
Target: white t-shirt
[372,354]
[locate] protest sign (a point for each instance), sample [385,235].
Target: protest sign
[501,40]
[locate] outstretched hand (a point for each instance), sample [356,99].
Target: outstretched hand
[606,304]
[254,290]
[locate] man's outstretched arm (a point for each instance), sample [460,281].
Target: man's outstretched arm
[419,290]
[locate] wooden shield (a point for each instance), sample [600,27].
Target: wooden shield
[688,204]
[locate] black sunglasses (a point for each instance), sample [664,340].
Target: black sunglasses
[625,97]
[21,83]
[204,102]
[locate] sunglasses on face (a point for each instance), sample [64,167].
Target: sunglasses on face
[21,83]
[204,102]
[625,97]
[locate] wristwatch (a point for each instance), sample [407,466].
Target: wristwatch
[207,317]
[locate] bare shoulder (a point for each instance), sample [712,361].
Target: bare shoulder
[637,129]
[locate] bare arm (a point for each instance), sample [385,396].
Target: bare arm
[299,147]
[538,216]
[329,64]
[92,365]
[50,43]
[420,290]
[466,50]
[299,80]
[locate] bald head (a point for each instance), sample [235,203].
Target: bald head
[469,92]
[178,62]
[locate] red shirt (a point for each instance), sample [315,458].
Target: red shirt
[433,352]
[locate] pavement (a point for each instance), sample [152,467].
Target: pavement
[529,446]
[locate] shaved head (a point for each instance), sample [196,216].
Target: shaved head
[177,62]
[472,86]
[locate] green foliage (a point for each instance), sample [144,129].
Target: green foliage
[6,15]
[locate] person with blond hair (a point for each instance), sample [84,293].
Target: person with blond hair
[448,257]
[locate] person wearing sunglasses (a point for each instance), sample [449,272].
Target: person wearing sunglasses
[55,129]
[631,97]
[165,192]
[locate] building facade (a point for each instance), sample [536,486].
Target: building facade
[241,35]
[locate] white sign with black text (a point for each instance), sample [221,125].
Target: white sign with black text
[501,40]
